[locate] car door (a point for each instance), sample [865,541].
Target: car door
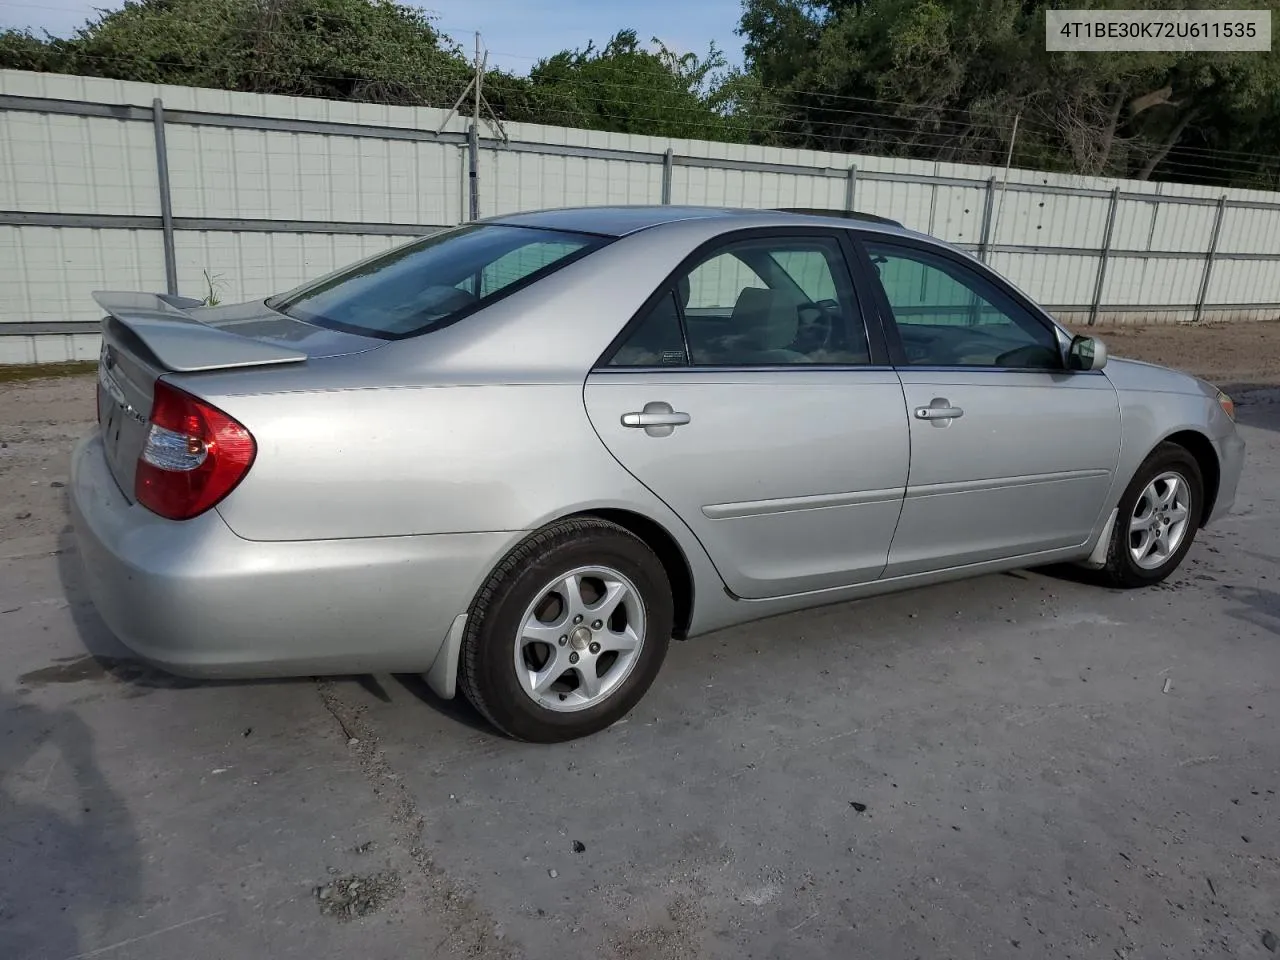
[749,395]
[1012,454]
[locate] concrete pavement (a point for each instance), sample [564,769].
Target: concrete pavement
[1019,765]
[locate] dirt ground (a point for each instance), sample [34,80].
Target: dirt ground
[1226,354]
[40,420]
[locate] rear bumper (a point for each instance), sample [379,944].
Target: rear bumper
[1230,450]
[197,600]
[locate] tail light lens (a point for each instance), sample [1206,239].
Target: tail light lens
[194,455]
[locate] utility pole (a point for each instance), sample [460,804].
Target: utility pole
[1008,162]
[478,80]
[475,90]
[473,136]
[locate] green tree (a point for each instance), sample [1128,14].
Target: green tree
[340,49]
[382,51]
[626,88]
[937,80]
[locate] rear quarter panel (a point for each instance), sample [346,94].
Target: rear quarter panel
[396,461]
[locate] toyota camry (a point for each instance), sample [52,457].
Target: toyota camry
[521,455]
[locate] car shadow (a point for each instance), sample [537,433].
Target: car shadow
[1256,606]
[459,709]
[1257,404]
[69,852]
[1070,572]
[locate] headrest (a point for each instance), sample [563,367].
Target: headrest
[768,319]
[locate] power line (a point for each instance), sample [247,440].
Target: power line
[542,107]
[986,118]
[924,133]
[699,123]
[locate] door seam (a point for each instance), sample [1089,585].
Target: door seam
[906,487]
[586,412]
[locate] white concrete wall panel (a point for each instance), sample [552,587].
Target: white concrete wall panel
[58,164]
[52,163]
[48,273]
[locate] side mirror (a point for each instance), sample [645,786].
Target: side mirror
[1086,353]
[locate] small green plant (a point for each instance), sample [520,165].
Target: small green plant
[211,299]
[14,372]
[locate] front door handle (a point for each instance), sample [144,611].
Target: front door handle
[940,411]
[657,419]
[672,419]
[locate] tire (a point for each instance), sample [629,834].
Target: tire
[527,598]
[1123,570]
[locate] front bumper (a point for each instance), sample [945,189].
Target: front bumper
[197,600]
[1230,450]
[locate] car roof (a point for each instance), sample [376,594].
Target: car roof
[618,221]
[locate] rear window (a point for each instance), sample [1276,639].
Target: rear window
[432,282]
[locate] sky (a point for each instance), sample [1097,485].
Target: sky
[516,32]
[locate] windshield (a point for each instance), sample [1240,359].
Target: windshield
[434,281]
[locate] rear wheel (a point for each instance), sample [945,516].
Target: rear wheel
[1157,519]
[568,632]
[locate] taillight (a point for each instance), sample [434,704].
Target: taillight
[194,455]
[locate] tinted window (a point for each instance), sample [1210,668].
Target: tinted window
[656,341]
[518,264]
[808,268]
[425,284]
[780,301]
[714,285]
[950,315]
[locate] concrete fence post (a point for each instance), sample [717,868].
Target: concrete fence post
[668,163]
[1103,256]
[984,242]
[1209,257]
[166,199]
[473,169]
[851,188]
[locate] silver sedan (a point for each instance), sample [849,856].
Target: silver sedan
[521,455]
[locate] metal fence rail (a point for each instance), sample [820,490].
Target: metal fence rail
[1195,241]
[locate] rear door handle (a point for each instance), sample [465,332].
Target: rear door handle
[657,419]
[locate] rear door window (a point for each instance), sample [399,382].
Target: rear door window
[773,301]
[431,282]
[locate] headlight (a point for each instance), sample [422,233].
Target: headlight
[1227,404]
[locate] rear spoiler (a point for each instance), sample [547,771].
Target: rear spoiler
[181,342]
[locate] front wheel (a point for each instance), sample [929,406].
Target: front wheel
[568,633]
[1157,519]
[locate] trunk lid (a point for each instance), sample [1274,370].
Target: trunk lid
[147,335]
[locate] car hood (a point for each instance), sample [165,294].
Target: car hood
[1139,375]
